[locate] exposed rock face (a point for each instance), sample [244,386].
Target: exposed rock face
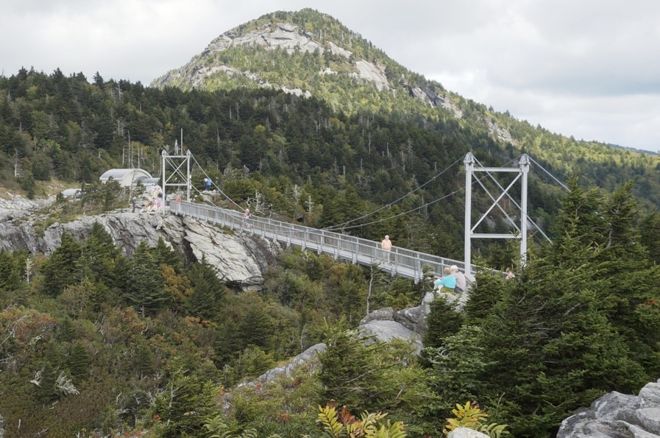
[269,36]
[617,415]
[373,73]
[238,258]
[17,206]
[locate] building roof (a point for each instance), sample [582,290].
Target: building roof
[120,174]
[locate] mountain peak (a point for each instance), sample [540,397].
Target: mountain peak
[310,53]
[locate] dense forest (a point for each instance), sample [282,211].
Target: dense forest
[97,343]
[308,162]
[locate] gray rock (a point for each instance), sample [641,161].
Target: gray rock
[649,419]
[288,368]
[617,415]
[413,318]
[615,406]
[634,431]
[2,427]
[650,394]
[386,331]
[384,314]
[464,432]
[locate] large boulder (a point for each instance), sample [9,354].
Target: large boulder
[384,314]
[386,331]
[413,318]
[617,415]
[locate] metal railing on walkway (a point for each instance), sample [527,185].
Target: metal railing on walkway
[398,261]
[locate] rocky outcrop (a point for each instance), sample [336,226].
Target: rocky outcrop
[240,259]
[374,73]
[386,324]
[287,368]
[15,206]
[617,415]
[386,331]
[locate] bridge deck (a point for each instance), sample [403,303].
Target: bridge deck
[399,261]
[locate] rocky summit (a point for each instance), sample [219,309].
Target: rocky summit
[308,54]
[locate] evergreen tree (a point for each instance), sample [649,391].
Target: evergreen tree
[98,256]
[60,270]
[255,327]
[185,405]
[444,320]
[144,288]
[78,362]
[347,372]
[10,274]
[207,291]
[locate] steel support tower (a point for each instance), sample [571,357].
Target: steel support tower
[172,173]
[521,172]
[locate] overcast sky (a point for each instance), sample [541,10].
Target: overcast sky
[587,68]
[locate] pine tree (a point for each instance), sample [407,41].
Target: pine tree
[78,362]
[10,277]
[444,320]
[185,404]
[347,372]
[144,287]
[60,270]
[207,291]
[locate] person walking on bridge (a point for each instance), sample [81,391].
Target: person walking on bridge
[386,246]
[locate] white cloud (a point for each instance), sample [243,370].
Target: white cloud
[589,69]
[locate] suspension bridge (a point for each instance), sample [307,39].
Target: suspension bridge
[176,174]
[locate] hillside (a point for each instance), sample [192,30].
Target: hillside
[308,53]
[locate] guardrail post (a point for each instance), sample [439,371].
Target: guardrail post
[418,269]
[356,249]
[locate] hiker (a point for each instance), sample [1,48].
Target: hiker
[509,274]
[461,281]
[386,246]
[247,214]
[207,183]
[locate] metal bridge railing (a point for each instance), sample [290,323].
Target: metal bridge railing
[398,261]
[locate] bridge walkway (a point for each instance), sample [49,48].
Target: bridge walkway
[398,261]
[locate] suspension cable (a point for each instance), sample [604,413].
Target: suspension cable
[214,184]
[551,175]
[513,200]
[402,213]
[343,224]
[416,208]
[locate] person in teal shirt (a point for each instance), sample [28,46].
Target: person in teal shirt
[446,282]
